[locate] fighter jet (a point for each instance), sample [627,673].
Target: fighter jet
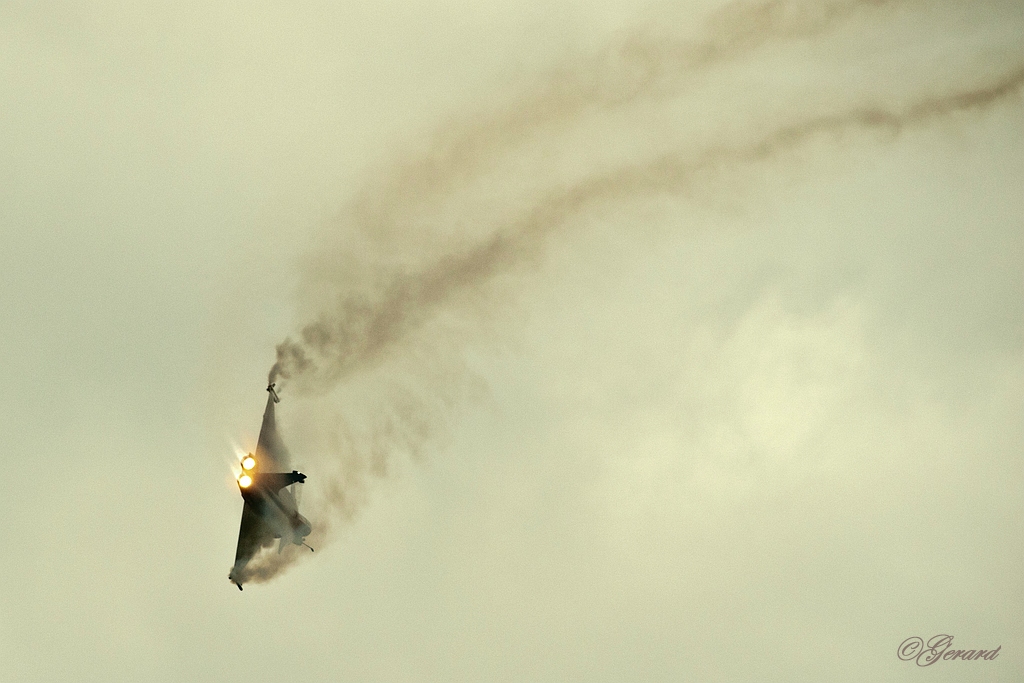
[270,511]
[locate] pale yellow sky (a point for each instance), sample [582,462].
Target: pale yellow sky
[739,401]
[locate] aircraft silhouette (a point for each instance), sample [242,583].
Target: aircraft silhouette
[270,511]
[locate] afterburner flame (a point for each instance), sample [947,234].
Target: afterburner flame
[244,481]
[249,463]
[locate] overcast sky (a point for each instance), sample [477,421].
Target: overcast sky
[739,399]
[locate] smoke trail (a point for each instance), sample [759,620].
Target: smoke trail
[642,64]
[374,318]
[359,333]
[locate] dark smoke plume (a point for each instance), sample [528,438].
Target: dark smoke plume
[377,315]
[644,64]
[359,332]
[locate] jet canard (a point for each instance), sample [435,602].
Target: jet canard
[270,511]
